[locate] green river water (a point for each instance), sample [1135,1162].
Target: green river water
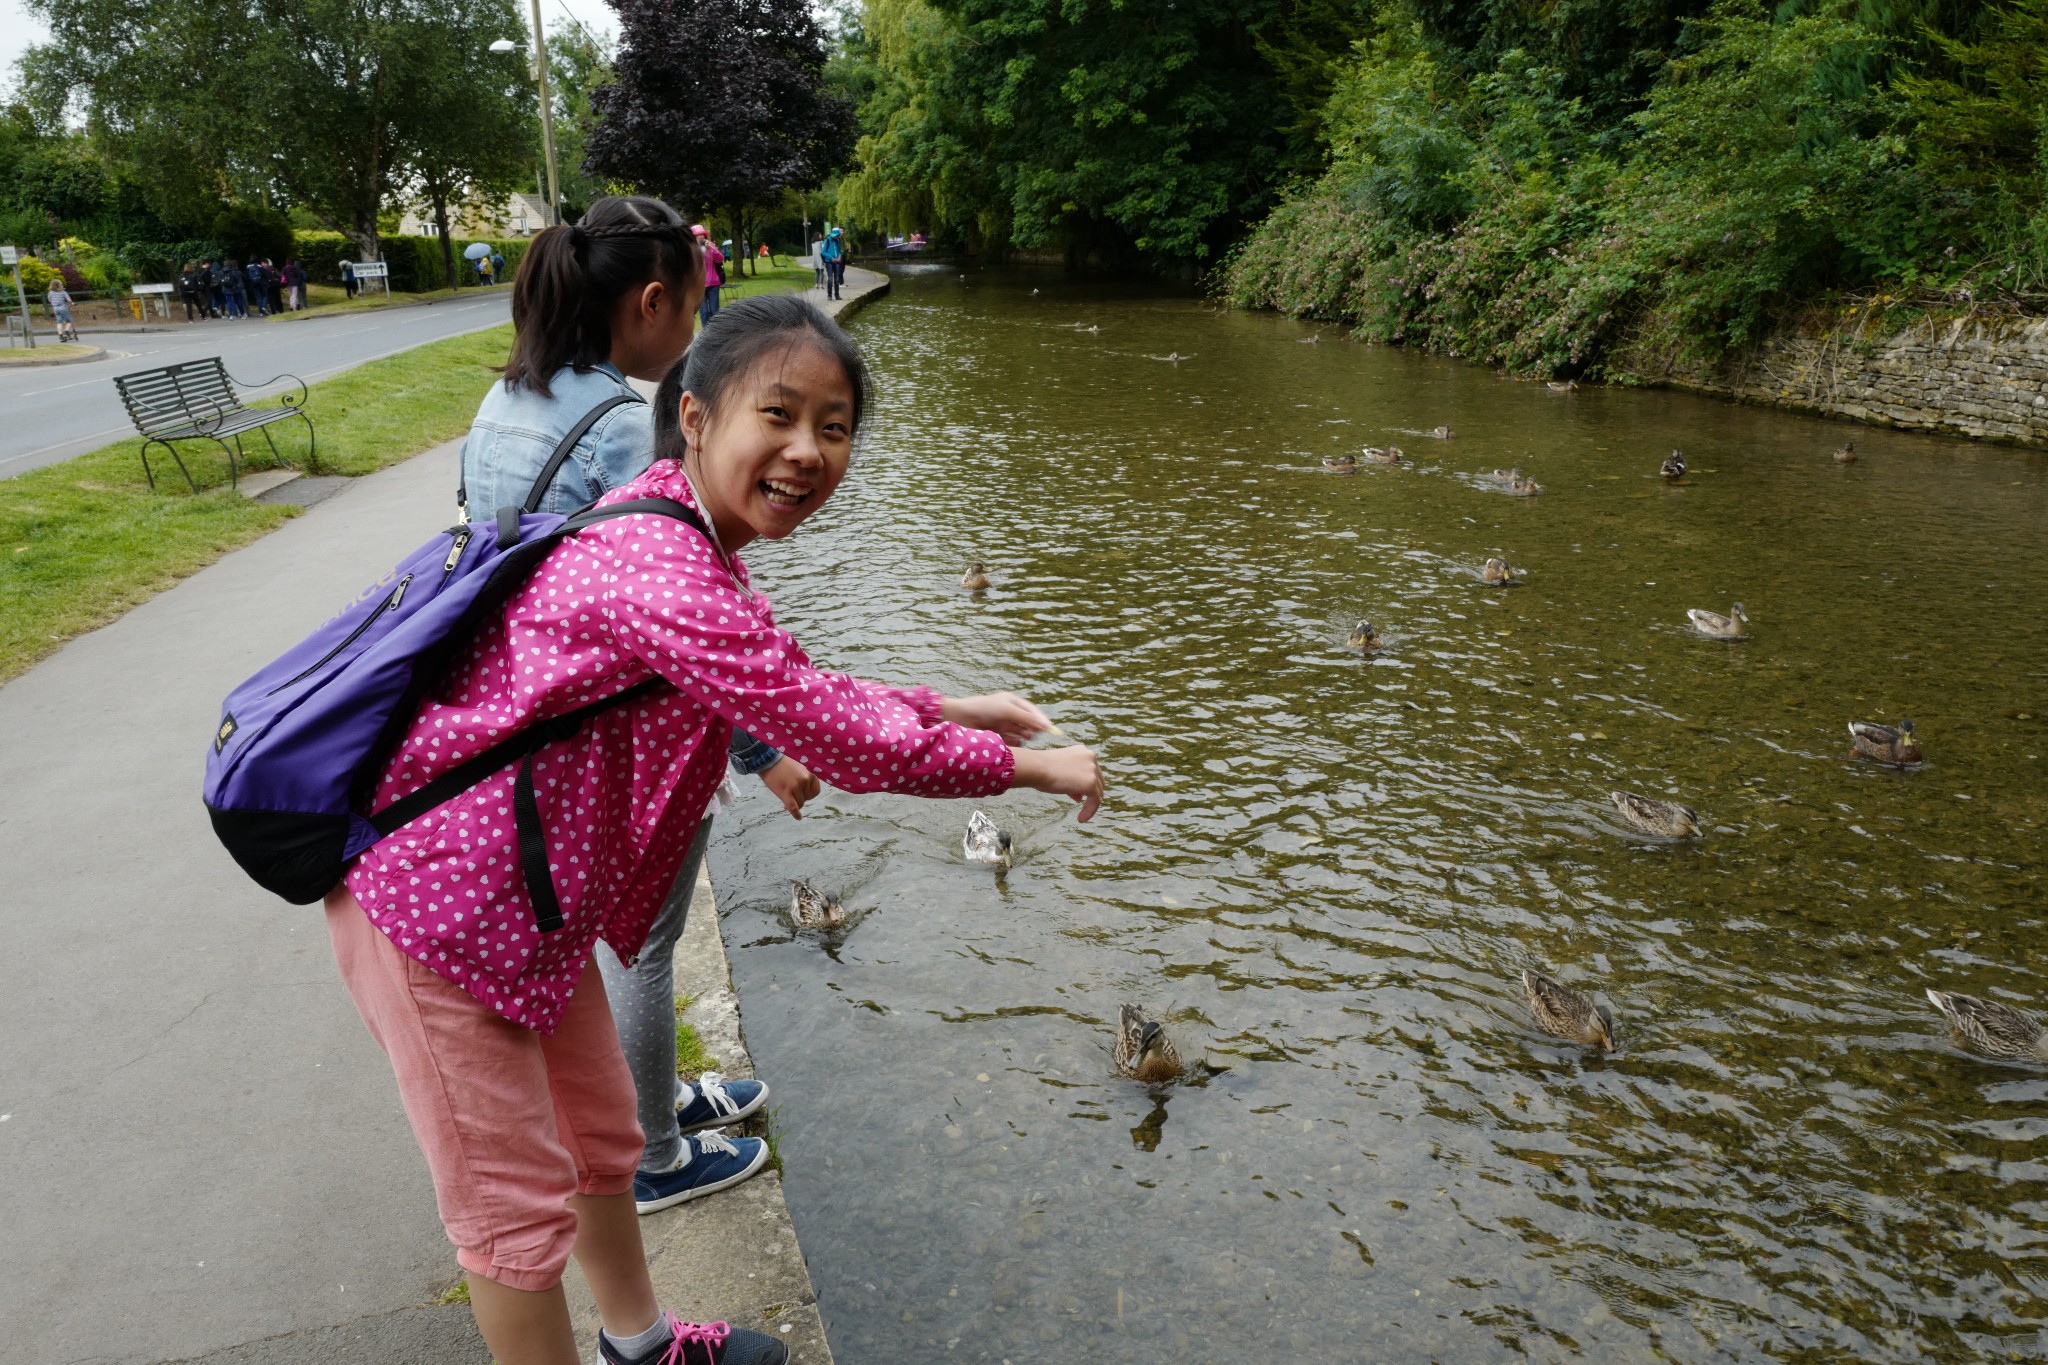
[1326,871]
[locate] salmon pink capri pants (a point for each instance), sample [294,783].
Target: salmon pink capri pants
[512,1122]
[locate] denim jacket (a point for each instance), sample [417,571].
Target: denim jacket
[515,432]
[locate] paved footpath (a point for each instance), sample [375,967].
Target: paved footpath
[205,1154]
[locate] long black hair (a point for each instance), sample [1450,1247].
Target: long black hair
[727,349]
[574,273]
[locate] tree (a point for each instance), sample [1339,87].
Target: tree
[308,102]
[578,63]
[718,104]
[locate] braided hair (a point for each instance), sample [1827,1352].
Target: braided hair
[575,273]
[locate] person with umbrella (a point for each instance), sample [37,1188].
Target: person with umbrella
[478,254]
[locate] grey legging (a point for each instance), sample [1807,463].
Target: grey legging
[643,999]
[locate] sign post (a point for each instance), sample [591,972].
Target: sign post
[373,270]
[11,258]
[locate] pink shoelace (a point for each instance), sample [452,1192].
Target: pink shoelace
[709,1335]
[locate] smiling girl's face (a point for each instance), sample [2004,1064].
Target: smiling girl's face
[776,446]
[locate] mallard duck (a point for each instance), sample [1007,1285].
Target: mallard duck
[1673,466]
[1733,626]
[1995,1030]
[1561,385]
[1340,464]
[985,843]
[813,909]
[1499,571]
[1505,475]
[1667,819]
[1885,744]
[1315,340]
[1364,637]
[1143,1051]
[1845,453]
[1383,454]
[1563,1013]
[1524,488]
[1441,433]
[975,579]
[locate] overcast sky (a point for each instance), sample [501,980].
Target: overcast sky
[19,31]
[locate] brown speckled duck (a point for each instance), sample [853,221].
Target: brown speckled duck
[1442,433]
[1383,454]
[1143,1051]
[1563,1013]
[1845,453]
[1666,819]
[1340,464]
[813,909]
[1363,638]
[1500,573]
[975,579]
[1524,488]
[1992,1029]
[1733,626]
[1883,744]
[1673,467]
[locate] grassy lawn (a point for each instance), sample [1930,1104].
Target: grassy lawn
[83,541]
[323,299]
[775,279]
[44,353]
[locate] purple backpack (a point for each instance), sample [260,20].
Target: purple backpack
[300,747]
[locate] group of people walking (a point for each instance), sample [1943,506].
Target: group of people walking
[535,1054]
[219,288]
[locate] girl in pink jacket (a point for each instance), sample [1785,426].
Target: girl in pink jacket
[506,1057]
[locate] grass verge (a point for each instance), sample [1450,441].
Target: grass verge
[775,279]
[324,299]
[83,541]
[692,1060]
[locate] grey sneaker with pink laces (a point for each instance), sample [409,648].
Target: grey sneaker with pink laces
[700,1343]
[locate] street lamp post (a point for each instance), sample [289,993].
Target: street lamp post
[547,110]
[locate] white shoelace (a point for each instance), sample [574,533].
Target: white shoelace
[711,1086]
[712,1142]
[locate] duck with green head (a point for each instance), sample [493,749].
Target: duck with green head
[1363,638]
[1883,744]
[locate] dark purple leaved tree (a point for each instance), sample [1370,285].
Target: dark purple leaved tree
[717,104]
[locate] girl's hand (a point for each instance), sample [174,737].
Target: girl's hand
[792,784]
[1071,771]
[1006,713]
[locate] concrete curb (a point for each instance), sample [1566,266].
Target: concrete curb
[96,353]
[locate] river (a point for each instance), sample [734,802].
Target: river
[1326,871]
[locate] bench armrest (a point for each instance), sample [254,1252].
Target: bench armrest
[290,400]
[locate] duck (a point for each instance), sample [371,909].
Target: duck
[1561,385]
[1564,1013]
[1733,626]
[1034,293]
[1524,488]
[1315,340]
[1143,1051]
[1363,637]
[1383,454]
[1666,819]
[1845,453]
[985,843]
[1441,433]
[1340,464]
[1500,572]
[813,909]
[1883,743]
[975,579]
[1508,475]
[1992,1029]
[1673,466]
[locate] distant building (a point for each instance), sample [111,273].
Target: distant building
[514,215]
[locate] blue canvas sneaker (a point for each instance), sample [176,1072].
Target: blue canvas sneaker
[715,1101]
[710,1163]
[700,1343]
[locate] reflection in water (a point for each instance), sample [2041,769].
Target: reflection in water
[1339,864]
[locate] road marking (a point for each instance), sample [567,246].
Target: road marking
[97,435]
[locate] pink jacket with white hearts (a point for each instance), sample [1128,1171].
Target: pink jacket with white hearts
[611,606]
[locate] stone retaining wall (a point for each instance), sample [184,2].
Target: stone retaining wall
[1965,376]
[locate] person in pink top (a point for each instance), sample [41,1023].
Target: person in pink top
[714,273]
[508,1064]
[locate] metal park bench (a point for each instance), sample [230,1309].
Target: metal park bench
[195,400]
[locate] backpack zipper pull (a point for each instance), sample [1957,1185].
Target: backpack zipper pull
[398,594]
[455,551]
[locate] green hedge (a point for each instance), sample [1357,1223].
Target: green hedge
[416,263]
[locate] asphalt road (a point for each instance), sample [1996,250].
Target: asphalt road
[54,412]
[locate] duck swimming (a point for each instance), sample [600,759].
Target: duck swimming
[1846,454]
[1143,1051]
[1500,572]
[1673,466]
[1505,475]
[1991,1029]
[1340,464]
[1733,626]
[1561,385]
[1563,1013]
[813,909]
[1666,819]
[1441,433]
[975,579]
[985,843]
[1364,637]
[1884,744]
[1383,454]
[1524,488]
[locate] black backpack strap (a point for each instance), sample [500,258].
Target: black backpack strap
[567,444]
[533,846]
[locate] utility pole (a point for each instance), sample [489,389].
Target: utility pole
[547,116]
